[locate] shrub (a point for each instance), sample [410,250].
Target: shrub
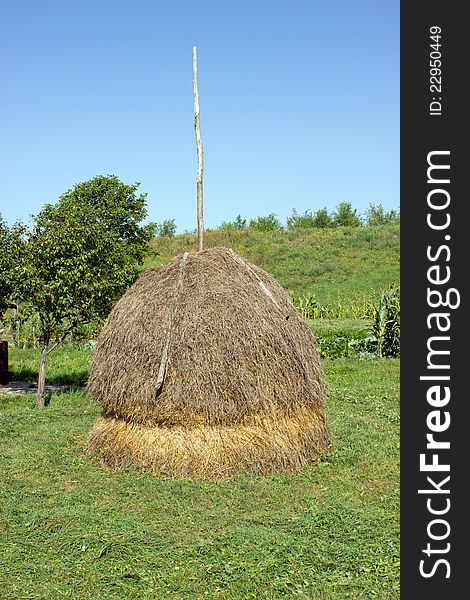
[269,223]
[309,220]
[376,215]
[322,219]
[346,343]
[296,221]
[346,216]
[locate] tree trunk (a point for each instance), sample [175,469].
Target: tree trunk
[42,376]
[200,156]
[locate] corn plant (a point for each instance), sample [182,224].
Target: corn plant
[386,324]
[307,306]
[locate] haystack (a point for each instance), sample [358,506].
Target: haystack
[205,369]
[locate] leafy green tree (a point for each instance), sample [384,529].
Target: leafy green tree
[346,216]
[118,208]
[11,248]
[167,228]
[377,215]
[80,257]
[269,223]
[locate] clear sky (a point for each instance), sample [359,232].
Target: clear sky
[299,103]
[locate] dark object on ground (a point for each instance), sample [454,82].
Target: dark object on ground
[4,375]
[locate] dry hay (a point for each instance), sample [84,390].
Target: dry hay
[204,369]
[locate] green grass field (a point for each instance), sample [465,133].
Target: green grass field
[71,529]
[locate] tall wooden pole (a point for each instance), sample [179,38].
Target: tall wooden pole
[200,157]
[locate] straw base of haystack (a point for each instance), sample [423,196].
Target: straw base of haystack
[267,444]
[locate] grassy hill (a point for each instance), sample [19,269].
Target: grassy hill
[343,264]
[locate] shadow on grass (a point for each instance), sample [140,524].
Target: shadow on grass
[23,374]
[73,378]
[66,365]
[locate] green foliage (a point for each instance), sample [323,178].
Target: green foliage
[166,228]
[379,334]
[117,207]
[307,306]
[346,344]
[322,218]
[340,338]
[308,220]
[352,308]
[11,249]
[304,221]
[69,528]
[21,326]
[346,216]
[269,223]
[238,223]
[82,254]
[377,215]
[386,325]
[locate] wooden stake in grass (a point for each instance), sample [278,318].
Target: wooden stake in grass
[200,156]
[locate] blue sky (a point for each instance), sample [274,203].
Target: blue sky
[299,103]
